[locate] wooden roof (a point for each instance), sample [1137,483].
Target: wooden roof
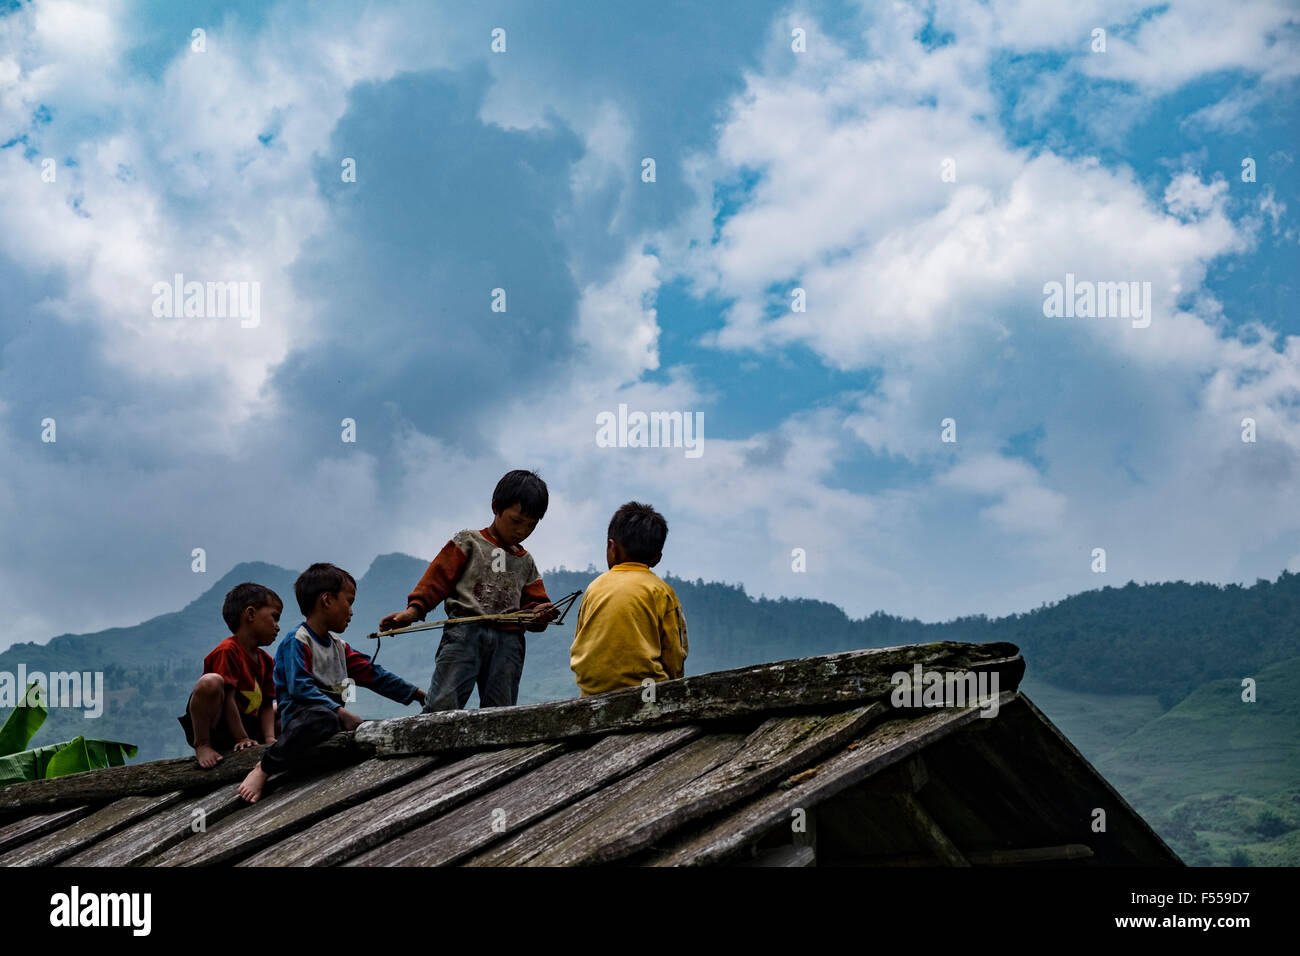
[714,770]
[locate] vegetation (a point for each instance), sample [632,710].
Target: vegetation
[19,763]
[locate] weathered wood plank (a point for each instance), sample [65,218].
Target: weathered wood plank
[283,813]
[509,809]
[159,833]
[38,824]
[834,681]
[966,798]
[346,834]
[884,746]
[62,843]
[160,776]
[629,816]
[928,831]
[645,786]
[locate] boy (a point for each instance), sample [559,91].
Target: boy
[232,706]
[312,669]
[484,572]
[630,626]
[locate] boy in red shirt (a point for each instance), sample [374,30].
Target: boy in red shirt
[233,704]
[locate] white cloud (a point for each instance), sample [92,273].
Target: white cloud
[1232,114]
[1192,38]
[1024,505]
[1157,47]
[935,285]
[616,321]
[180,182]
[939,287]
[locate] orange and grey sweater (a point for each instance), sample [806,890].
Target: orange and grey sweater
[475,575]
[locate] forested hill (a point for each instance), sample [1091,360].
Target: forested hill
[1162,639]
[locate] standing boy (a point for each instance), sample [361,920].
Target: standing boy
[631,627]
[479,573]
[233,704]
[312,672]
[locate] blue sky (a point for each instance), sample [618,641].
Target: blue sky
[776,169]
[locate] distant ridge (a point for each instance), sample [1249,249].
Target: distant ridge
[1162,639]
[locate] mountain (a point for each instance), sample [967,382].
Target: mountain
[1217,777]
[1145,679]
[1164,639]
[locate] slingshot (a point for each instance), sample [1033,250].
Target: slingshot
[510,617]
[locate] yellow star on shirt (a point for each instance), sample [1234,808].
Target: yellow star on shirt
[254,698]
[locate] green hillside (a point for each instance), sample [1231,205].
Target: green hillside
[1163,639]
[1217,778]
[1095,723]
[1217,775]
[1145,679]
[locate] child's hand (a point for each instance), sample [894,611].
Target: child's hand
[399,619]
[421,696]
[347,719]
[543,614]
[245,743]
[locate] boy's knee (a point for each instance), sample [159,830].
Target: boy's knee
[210,686]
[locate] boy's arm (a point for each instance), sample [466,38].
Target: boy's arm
[379,680]
[673,644]
[533,597]
[438,580]
[301,686]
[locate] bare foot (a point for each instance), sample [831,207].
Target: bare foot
[207,756]
[251,788]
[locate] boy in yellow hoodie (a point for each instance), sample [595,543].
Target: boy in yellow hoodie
[630,626]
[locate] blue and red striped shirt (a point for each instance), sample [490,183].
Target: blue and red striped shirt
[311,669]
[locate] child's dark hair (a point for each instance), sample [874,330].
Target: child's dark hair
[243,596]
[320,578]
[641,531]
[522,488]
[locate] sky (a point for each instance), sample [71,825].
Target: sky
[825,231]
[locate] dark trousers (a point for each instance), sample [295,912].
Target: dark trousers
[472,654]
[311,724]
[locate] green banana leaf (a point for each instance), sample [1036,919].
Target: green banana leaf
[28,765]
[23,722]
[80,754]
[52,760]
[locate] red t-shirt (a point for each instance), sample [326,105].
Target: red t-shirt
[252,677]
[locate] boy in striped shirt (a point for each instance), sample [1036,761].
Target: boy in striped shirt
[480,573]
[313,668]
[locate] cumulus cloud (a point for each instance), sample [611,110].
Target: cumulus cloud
[939,286]
[822,171]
